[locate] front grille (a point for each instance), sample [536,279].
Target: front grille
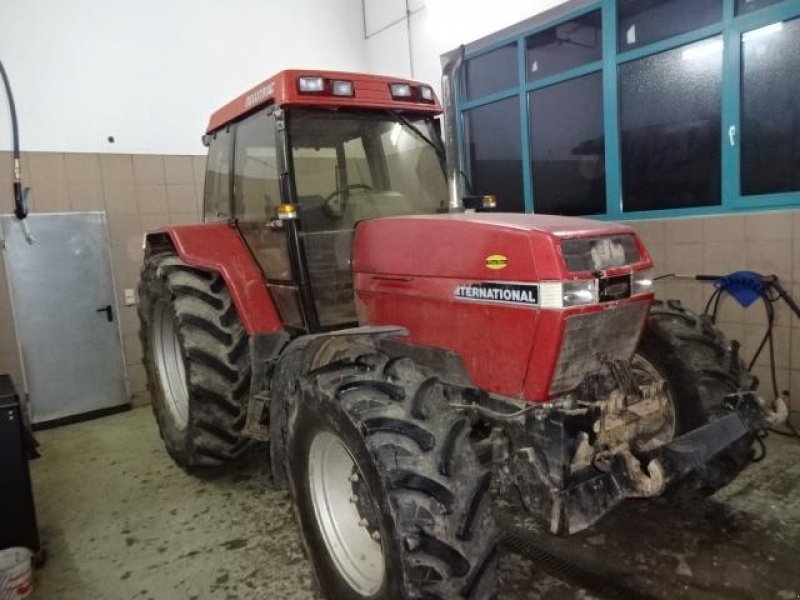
[592,339]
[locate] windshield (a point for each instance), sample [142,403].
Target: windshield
[351,166]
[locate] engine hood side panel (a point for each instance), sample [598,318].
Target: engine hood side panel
[469,283]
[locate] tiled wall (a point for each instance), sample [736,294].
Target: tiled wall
[768,243]
[137,192]
[141,192]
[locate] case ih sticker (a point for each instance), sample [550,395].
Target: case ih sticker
[259,95]
[496,261]
[519,294]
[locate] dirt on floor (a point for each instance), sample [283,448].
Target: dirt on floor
[121,522]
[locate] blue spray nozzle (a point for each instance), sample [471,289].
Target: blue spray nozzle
[745,286]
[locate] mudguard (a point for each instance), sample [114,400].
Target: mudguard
[294,362]
[219,247]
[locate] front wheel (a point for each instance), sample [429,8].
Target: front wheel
[391,497]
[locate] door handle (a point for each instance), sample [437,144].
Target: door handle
[109,312]
[732,134]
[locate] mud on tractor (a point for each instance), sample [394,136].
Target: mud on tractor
[406,359]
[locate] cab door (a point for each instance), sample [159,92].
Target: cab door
[257,160]
[340,178]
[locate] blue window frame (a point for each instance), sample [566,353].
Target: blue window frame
[734,111]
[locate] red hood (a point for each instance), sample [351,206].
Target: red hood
[550,224]
[458,245]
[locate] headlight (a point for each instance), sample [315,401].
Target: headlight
[342,87]
[400,90]
[563,294]
[426,93]
[642,282]
[311,85]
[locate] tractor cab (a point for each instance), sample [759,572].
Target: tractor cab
[297,162]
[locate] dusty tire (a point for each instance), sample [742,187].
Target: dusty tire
[420,487]
[202,411]
[700,368]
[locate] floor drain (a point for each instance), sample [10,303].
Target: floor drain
[595,578]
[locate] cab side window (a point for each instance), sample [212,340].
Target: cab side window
[255,171]
[217,193]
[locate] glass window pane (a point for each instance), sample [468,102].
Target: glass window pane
[491,72]
[494,153]
[567,147]
[405,155]
[745,6]
[217,192]
[670,106]
[353,166]
[255,169]
[643,22]
[564,46]
[771,109]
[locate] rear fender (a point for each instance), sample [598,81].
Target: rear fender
[218,247]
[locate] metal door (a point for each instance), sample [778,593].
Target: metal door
[62,293]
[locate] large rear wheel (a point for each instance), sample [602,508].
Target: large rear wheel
[700,368]
[389,491]
[197,359]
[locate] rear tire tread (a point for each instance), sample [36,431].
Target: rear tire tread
[215,348]
[705,368]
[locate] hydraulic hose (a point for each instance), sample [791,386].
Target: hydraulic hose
[20,204]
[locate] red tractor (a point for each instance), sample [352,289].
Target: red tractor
[405,358]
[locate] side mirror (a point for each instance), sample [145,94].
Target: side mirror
[485,203]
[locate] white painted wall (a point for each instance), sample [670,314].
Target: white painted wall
[150,72]
[436,27]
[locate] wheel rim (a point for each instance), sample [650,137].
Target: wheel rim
[646,373]
[169,365]
[356,554]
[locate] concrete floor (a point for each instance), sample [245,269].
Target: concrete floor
[121,522]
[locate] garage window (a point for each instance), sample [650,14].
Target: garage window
[567,147]
[637,109]
[670,123]
[746,6]
[643,22]
[565,46]
[771,109]
[492,72]
[494,152]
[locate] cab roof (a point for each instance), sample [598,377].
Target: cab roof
[369,91]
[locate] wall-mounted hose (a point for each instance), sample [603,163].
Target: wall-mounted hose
[20,204]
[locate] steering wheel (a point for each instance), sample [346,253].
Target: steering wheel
[332,205]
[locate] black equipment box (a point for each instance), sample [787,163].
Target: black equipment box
[17,512]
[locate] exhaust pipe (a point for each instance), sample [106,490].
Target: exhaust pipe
[451,65]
